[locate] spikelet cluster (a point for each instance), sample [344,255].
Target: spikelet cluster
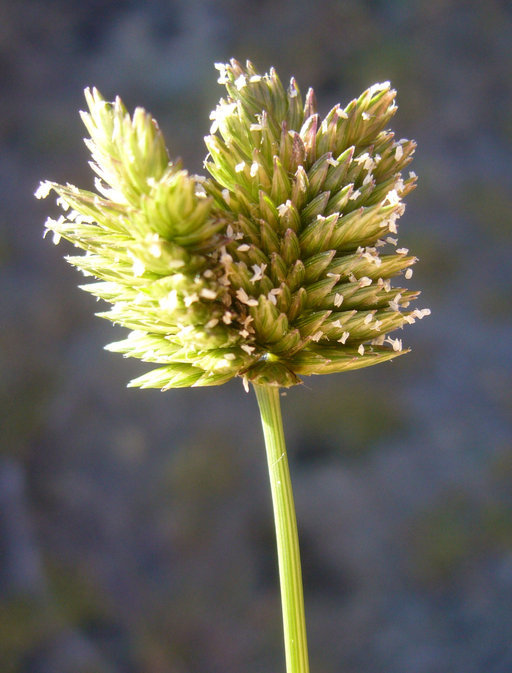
[277,265]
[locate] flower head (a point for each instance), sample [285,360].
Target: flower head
[277,265]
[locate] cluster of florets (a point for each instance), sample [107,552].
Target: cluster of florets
[278,265]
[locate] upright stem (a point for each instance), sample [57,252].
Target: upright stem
[290,577]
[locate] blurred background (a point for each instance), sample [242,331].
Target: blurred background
[136,532]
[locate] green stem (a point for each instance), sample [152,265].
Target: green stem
[290,577]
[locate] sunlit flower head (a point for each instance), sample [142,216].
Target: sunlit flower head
[279,264]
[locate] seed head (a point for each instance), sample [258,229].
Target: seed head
[276,266]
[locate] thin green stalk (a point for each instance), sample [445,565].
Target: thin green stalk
[290,577]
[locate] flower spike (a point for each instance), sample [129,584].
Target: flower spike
[270,268]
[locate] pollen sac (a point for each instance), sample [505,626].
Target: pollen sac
[278,264]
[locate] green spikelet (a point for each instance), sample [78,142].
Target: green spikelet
[269,269]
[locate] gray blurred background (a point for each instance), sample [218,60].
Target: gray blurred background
[135,526]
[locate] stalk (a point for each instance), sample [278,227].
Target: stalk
[287,539]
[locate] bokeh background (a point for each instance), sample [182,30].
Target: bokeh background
[135,526]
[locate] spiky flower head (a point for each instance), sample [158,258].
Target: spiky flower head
[276,266]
